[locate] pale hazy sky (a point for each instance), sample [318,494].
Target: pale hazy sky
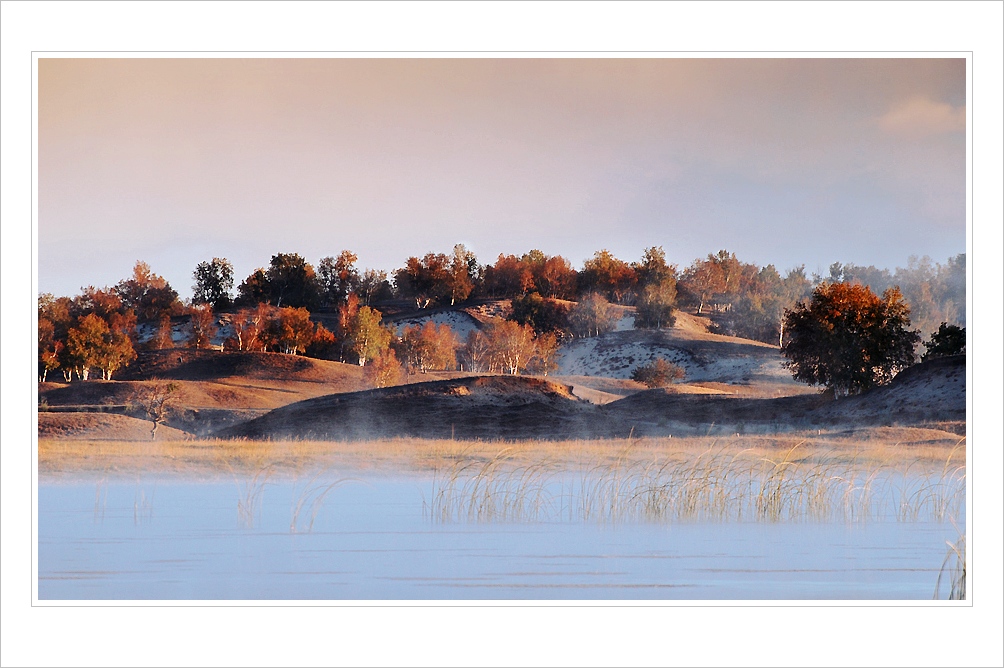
[175,161]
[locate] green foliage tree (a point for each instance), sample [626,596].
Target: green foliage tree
[592,316]
[948,340]
[658,373]
[656,304]
[374,287]
[337,277]
[544,315]
[254,289]
[213,282]
[366,337]
[291,282]
[848,339]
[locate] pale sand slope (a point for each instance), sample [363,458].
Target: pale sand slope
[461,323]
[702,355]
[102,426]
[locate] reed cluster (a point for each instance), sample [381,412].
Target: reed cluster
[722,483]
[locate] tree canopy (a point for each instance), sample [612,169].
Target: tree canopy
[213,282]
[848,339]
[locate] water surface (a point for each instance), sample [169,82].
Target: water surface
[374,538]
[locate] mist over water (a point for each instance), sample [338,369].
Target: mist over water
[377,536]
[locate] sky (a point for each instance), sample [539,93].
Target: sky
[783,161]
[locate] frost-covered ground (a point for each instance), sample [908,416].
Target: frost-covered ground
[618,354]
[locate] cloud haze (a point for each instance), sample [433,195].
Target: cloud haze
[174,161]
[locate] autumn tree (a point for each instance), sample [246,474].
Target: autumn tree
[384,370]
[101,302]
[290,330]
[84,343]
[430,347]
[948,340]
[48,348]
[213,282]
[201,327]
[337,277]
[163,337]
[322,344]
[936,292]
[592,316]
[848,339]
[475,354]
[656,299]
[653,268]
[426,280]
[555,278]
[511,345]
[607,275]
[248,325]
[701,281]
[509,277]
[758,312]
[148,294]
[93,344]
[462,274]
[347,312]
[543,360]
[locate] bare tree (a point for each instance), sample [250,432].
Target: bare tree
[156,401]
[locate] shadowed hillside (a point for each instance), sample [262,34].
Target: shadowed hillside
[486,407]
[506,407]
[926,393]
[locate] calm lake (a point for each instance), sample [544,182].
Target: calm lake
[381,536]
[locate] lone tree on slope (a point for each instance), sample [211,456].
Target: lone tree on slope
[848,339]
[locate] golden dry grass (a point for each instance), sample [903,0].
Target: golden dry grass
[872,447]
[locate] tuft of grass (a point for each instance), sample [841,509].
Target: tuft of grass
[310,498]
[954,569]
